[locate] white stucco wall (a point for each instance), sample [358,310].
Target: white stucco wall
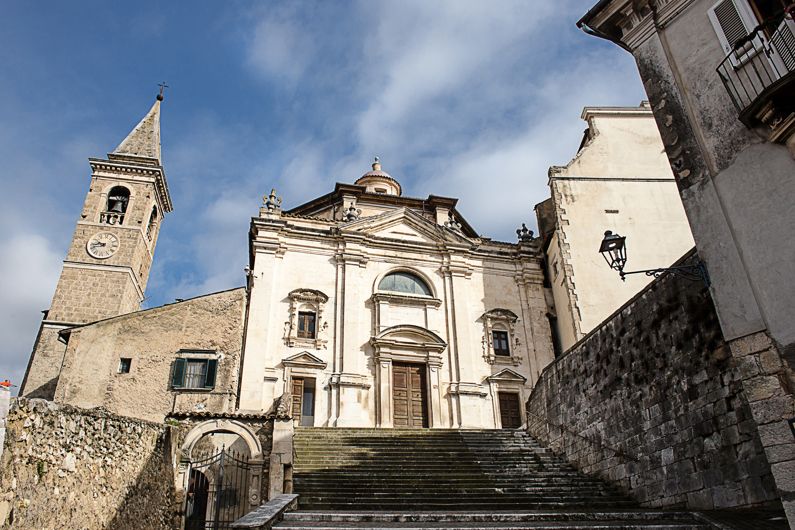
[467,276]
[621,181]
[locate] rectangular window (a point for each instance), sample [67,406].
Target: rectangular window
[306,325]
[194,373]
[124,365]
[500,343]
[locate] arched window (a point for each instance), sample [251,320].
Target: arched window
[118,198]
[404,282]
[150,228]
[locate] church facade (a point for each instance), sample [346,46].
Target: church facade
[362,307]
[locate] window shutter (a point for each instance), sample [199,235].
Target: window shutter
[178,375]
[212,366]
[783,44]
[732,22]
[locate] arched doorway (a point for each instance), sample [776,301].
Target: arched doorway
[221,471]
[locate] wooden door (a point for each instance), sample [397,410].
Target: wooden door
[409,397]
[297,397]
[510,416]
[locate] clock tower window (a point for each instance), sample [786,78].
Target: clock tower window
[118,198]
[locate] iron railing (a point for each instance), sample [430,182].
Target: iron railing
[111,218]
[759,65]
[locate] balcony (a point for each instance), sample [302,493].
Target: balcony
[111,218]
[759,75]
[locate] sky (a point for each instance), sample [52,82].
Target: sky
[460,98]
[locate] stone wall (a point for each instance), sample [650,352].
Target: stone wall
[5,402]
[65,467]
[153,339]
[652,400]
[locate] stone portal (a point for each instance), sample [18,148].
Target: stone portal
[409,395]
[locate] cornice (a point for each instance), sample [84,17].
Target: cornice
[124,167]
[637,19]
[406,299]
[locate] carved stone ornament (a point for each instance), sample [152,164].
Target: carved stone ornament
[352,213]
[272,202]
[500,320]
[309,300]
[452,223]
[282,408]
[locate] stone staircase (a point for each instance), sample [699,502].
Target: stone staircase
[422,478]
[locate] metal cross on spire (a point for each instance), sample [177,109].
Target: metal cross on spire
[163,86]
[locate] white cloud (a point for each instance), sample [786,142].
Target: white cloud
[29,270]
[279,47]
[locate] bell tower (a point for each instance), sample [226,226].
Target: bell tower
[107,266]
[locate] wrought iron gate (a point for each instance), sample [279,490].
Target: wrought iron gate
[217,492]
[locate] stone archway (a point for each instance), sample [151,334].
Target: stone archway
[230,426]
[248,469]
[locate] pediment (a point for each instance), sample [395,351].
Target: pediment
[304,360]
[407,225]
[409,336]
[507,375]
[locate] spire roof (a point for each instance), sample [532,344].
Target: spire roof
[144,140]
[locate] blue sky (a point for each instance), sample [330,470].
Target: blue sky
[470,99]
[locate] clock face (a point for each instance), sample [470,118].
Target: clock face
[102,245]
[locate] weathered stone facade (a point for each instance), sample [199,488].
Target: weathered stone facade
[69,468]
[653,400]
[733,160]
[210,325]
[126,201]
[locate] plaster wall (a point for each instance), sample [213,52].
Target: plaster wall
[620,180]
[648,213]
[152,339]
[736,187]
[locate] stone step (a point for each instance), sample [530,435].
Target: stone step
[456,506]
[449,470]
[612,520]
[332,482]
[568,525]
[428,466]
[487,516]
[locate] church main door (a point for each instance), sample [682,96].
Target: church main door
[409,396]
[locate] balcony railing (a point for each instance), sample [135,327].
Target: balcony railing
[111,218]
[760,69]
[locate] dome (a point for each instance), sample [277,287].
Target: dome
[378,181]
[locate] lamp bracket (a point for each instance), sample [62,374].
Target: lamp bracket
[694,272]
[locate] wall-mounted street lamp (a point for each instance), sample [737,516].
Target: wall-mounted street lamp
[614,250]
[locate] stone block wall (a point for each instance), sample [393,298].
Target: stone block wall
[652,401]
[65,467]
[152,340]
[5,402]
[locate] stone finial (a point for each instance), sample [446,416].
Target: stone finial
[352,213]
[524,234]
[377,164]
[272,203]
[452,223]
